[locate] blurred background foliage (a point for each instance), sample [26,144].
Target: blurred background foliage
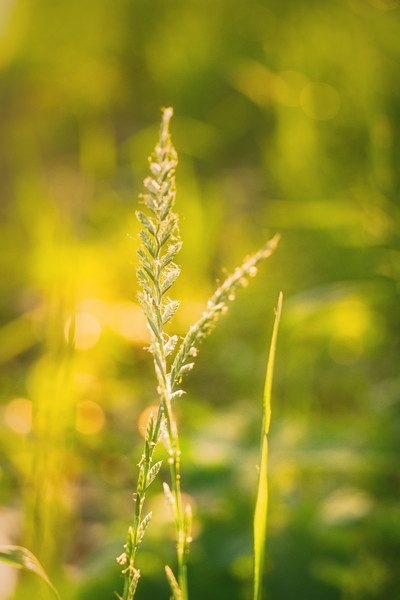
[286,119]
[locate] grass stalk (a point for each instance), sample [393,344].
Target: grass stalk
[157,272]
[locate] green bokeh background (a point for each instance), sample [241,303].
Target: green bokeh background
[286,119]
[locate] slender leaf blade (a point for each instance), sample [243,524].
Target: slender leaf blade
[24,559]
[260,513]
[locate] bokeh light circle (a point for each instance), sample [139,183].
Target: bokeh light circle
[320,101]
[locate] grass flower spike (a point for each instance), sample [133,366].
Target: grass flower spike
[157,272]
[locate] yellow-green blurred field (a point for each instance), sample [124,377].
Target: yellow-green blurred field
[287,119]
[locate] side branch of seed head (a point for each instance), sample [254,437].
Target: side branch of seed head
[217,305]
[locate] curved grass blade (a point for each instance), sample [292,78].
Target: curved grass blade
[24,559]
[260,513]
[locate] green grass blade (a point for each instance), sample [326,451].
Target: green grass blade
[24,559]
[260,513]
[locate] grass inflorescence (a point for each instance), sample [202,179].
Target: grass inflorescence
[157,272]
